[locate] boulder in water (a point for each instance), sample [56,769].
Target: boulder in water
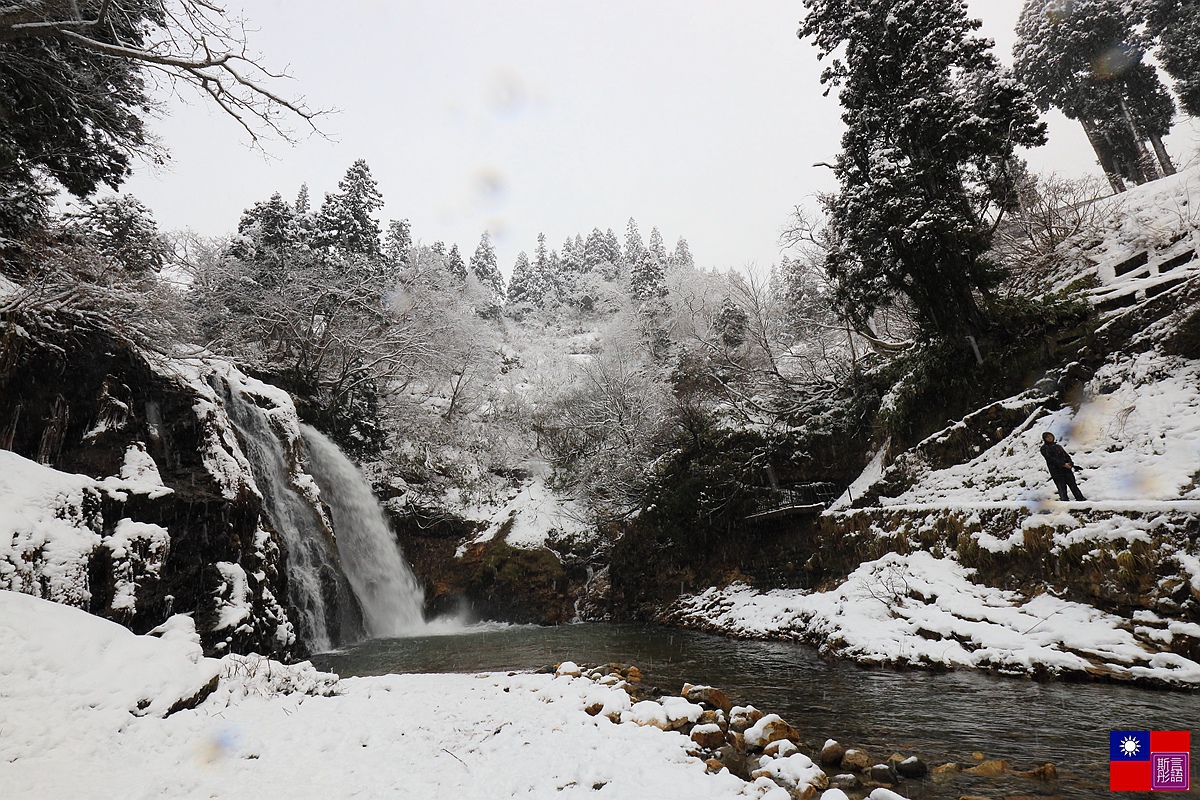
[845,780]
[856,760]
[742,717]
[912,767]
[1046,772]
[831,754]
[988,768]
[883,773]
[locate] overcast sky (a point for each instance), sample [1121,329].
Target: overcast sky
[701,117]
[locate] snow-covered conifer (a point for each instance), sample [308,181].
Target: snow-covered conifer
[635,249]
[1087,59]
[932,125]
[1176,26]
[345,221]
[455,265]
[485,268]
[681,258]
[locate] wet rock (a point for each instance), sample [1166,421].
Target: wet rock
[912,767]
[633,675]
[709,736]
[948,768]
[781,748]
[988,769]
[831,754]
[709,696]
[978,756]
[742,717]
[1046,772]
[770,728]
[845,780]
[883,773]
[856,760]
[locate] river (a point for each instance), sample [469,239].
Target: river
[939,717]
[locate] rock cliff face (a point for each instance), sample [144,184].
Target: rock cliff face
[128,492]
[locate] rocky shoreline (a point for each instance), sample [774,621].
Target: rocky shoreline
[773,756]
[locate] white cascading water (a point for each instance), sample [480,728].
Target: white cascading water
[316,587]
[387,591]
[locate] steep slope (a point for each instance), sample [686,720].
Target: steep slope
[956,552]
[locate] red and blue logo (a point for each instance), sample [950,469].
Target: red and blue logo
[1149,761]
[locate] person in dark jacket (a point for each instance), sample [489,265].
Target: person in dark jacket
[1062,468]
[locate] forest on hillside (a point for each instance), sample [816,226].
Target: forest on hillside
[641,378]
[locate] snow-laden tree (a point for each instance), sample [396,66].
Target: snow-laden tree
[486,269]
[600,256]
[397,243]
[681,257]
[932,124]
[346,223]
[120,228]
[1175,24]
[656,247]
[76,85]
[635,248]
[1087,58]
[647,277]
[455,265]
[268,239]
[523,286]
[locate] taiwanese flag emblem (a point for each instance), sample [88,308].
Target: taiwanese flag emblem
[1145,761]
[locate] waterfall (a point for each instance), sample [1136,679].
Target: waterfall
[317,589]
[388,592]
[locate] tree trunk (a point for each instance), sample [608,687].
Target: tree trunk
[1103,155]
[1164,158]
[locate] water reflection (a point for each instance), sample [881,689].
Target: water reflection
[940,717]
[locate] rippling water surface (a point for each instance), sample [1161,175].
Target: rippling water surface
[939,717]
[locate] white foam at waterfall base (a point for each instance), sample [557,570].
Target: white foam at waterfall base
[387,591]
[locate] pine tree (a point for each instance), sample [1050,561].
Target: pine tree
[396,244]
[682,257]
[523,288]
[656,247]
[455,265]
[1086,58]
[302,202]
[1175,24]
[546,272]
[345,222]
[932,123]
[572,257]
[612,256]
[595,251]
[269,236]
[647,278]
[123,230]
[634,248]
[483,265]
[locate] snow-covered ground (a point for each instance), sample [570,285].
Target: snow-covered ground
[921,610]
[89,710]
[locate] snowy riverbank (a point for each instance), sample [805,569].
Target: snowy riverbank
[89,710]
[920,610]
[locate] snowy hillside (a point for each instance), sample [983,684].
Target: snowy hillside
[967,556]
